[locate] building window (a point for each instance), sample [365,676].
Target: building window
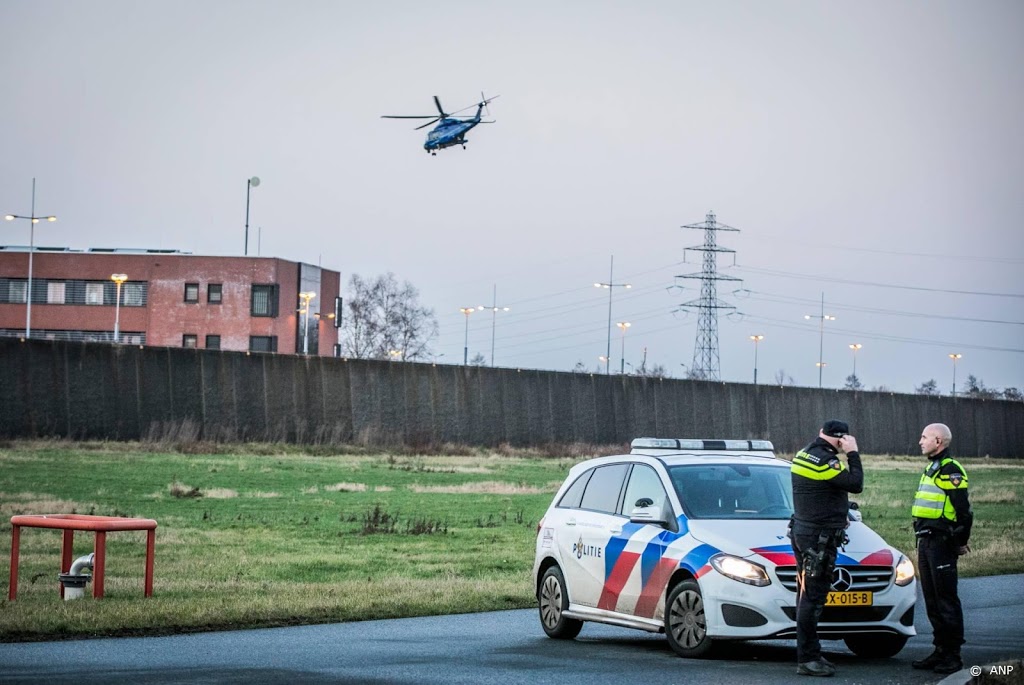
[55,293]
[264,300]
[214,293]
[213,342]
[94,293]
[192,292]
[133,295]
[263,343]
[190,340]
[16,291]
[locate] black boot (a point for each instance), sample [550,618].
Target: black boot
[817,667]
[930,661]
[950,663]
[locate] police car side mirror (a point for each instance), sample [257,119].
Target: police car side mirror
[854,512]
[649,514]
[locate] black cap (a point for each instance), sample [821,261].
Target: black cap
[835,429]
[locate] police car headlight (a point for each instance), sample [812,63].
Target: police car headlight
[740,569]
[904,572]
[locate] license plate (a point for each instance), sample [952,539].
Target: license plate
[849,599]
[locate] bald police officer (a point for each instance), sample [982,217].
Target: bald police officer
[942,523]
[821,483]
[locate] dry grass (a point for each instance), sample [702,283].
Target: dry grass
[489,487]
[346,487]
[888,462]
[220,493]
[19,504]
[181,491]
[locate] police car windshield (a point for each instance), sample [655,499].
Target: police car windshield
[733,491]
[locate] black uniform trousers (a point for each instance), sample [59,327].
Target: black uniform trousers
[937,556]
[812,590]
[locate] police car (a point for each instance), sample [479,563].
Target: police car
[689,538]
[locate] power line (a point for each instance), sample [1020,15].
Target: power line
[833,279]
[786,299]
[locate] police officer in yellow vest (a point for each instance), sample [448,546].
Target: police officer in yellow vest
[942,523]
[821,483]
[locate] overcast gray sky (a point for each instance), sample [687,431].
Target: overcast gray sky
[870,151]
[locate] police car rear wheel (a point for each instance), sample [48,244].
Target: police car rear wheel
[553,600]
[874,646]
[685,625]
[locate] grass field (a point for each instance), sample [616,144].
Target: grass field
[262,535]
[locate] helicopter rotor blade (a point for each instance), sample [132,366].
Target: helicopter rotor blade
[440,109]
[429,123]
[399,116]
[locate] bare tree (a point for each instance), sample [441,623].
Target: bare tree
[976,388]
[385,320]
[929,387]
[853,383]
[478,360]
[782,378]
[1011,393]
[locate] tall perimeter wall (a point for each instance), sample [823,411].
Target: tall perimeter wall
[108,392]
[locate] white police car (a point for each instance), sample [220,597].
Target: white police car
[688,537]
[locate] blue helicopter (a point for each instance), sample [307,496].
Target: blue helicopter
[451,130]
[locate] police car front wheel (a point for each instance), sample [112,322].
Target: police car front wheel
[553,600]
[685,624]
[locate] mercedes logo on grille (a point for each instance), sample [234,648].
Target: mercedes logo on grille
[841,579]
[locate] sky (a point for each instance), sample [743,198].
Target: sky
[871,154]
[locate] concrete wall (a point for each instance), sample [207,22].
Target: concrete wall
[99,391]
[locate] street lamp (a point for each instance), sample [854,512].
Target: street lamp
[494,316]
[822,318]
[756,338]
[611,285]
[250,183]
[33,220]
[305,297]
[623,325]
[118,279]
[465,347]
[954,356]
[855,347]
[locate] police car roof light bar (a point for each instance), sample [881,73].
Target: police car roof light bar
[702,445]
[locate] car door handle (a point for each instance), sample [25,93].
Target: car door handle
[571,522]
[615,531]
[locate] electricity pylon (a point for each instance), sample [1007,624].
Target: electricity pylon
[705,352]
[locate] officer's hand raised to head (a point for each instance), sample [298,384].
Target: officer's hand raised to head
[848,443]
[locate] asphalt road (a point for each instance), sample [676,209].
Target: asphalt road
[499,648]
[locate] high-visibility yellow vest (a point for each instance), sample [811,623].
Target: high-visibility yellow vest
[803,465]
[932,498]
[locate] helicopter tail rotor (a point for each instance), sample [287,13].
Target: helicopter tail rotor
[484,100]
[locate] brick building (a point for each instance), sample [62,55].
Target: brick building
[171,299]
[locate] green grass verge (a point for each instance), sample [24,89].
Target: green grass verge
[262,535]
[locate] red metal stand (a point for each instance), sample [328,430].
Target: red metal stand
[69,523]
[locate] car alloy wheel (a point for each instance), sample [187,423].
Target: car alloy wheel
[553,600]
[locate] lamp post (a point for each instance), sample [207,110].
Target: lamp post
[822,318]
[855,347]
[306,298]
[33,220]
[465,346]
[623,325]
[494,316]
[954,356]
[756,338]
[118,279]
[611,285]
[250,183]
